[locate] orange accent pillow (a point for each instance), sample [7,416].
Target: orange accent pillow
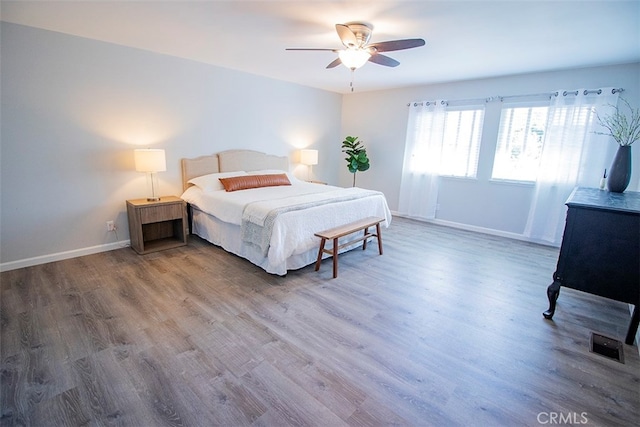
[254,181]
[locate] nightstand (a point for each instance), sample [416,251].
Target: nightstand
[159,225]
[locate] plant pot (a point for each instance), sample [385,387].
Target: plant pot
[620,172]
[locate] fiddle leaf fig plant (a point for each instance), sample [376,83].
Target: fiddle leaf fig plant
[357,159]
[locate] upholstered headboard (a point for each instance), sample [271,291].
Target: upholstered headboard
[249,160]
[199,166]
[229,161]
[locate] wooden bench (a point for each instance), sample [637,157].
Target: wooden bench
[344,230]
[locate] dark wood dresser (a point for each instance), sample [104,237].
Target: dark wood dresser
[600,252]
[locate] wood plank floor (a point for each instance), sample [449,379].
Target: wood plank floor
[444,329]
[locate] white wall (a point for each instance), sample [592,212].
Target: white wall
[380,120]
[74,109]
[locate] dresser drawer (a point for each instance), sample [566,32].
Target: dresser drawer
[161,213]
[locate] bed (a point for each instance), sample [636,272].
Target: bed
[272,225]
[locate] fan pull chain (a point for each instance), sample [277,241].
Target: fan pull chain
[352,73]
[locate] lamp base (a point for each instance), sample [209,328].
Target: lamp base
[153,199]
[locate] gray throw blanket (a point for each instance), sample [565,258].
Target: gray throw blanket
[258,217]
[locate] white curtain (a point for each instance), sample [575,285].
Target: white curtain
[572,155]
[423,149]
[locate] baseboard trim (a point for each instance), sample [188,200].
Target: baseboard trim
[59,256]
[476,229]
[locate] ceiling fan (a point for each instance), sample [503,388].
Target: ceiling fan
[357,52]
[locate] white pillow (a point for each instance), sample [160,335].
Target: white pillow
[212,182]
[272,172]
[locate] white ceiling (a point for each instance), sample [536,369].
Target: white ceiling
[465,39]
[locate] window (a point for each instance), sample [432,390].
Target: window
[547,140]
[520,139]
[441,140]
[461,141]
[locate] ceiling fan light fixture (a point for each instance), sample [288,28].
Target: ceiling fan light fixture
[354,58]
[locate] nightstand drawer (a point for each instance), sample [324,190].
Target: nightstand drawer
[161,213]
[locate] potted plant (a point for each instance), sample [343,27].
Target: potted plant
[625,130]
[357,159]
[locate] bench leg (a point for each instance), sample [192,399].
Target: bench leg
[335,257]
[379,238]
[364,244]
[322,242]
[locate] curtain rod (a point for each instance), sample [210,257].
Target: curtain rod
[502,98]
[588,91]
[446,102]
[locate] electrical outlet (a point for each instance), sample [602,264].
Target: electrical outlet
[111,226]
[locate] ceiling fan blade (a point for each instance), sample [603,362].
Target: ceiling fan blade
[397,45]
[335,63]
[310,48]
[346,35]
[383,60]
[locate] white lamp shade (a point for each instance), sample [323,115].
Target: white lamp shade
[354,58]
[150,160]
[309,157]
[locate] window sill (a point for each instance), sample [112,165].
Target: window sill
[512,182]
[459,178]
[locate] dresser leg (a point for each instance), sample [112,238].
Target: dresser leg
[553,291]
[633,326]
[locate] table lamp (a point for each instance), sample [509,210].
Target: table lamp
[309,158]
[150,160]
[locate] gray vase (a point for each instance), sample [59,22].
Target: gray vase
[620,172]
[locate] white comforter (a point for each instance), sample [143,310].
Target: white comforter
[293,231]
